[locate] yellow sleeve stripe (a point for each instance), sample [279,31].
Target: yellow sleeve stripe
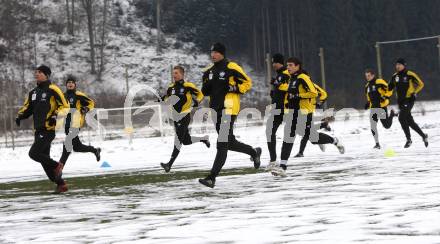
[246,80]
[90,102]
[25,106]
[322,93]
[382,82]
[63,105]
[199,93]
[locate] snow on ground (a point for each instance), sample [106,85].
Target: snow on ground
[361,196]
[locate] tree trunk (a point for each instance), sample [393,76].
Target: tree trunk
[159,32]
[73,18]
[268,30]
[88,7]
[68,16]
[289,40]
[263,38]
[103,35]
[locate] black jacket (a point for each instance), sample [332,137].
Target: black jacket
[279,88]
[44,102]
[187,94]
[407,84]
[224,82]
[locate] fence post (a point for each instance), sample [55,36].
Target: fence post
[5,128]
[378,59]
[323,82]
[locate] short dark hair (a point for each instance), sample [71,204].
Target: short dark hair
[371,71]
[278,58]
[180,68]
[294,60]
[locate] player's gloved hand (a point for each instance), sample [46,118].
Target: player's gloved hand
[272,80]
[367,106]
[195,103]
[53,120]
[294,96]
[17,121]
[84,110]
[162,98]
[233,88]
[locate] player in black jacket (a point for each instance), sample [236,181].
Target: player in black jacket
[377,93]
[407,84]
[279,86]
[224,82]
[44,103]
[187,96]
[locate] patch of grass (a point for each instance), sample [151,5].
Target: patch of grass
[109,184]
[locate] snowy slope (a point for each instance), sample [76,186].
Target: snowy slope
[130,46]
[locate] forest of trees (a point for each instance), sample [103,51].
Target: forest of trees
[346,29]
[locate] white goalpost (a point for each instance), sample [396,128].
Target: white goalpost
[145,121]
[378,51]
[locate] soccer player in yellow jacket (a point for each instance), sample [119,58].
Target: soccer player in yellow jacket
[318,102]
[80,105]
[44,103]
[300,97]
[378,99]
[407,85]
[186,95]
[224,82]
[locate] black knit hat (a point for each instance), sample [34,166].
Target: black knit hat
[218,47]
[401,61]
[278,58]
[45,70]
[71,78]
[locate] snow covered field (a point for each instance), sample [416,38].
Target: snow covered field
[361,196]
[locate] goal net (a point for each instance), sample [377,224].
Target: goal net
[132,122]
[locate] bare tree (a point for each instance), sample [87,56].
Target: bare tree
[103,40]
[88,7]
[70,14]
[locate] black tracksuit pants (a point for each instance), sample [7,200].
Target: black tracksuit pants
[406,119]
[224,125]
[293,120]
[387,122]
[40,152]
[182,137]
[273,123]
[77,146]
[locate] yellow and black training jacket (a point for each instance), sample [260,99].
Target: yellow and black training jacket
[186,92]
[44,102]
[78,101]
[301,94]
[218,79]
[406,83]
[378,95]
